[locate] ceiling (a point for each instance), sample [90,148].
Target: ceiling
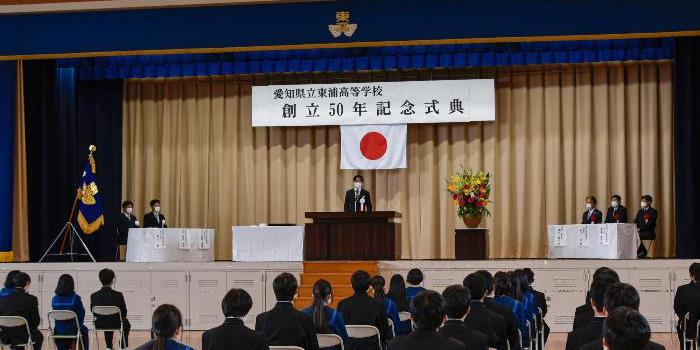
[33,6]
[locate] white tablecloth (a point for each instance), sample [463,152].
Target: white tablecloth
[267,243]
[600,241]
[170,245]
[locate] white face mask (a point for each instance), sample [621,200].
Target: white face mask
[156,209]
[358,185]
[614,204]
[644,204]
[129,210]
[589,206]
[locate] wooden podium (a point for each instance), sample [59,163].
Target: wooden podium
[352,236]
[471,244]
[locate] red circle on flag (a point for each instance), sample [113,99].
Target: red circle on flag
[373,145]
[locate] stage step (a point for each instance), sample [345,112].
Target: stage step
[332,278]
[337,273]
[339,291]
[340,266]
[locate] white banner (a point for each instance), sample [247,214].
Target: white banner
[406,102]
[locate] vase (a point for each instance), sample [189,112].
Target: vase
[471,221]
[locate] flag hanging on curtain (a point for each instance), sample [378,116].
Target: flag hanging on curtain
[90,213]
[373,146]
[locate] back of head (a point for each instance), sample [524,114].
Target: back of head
[457,301]
[360,281]
[106,277]
[606,273]
[476,285]
[695,271]
[414,277]
[597,292]
[378,283]
[428,310]
[518,284]
[626,329]
[9,279]
[397,291]
[502,283]
[285,286]
[621,294]
[21,280]
[236,303]
[488,278]
[322,292]
[165,323]
[530,275]
[65,286]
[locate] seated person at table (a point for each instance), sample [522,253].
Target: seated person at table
[154,218]
[66,299]
[592,215]
[457,302]
[427,312]
[646,224]
[617,213]
[414,279]
[110,297]
[397,293]
[166,325]
[626,329]
[284,325]
[392,311]
[21,303]
[687,300]
[326,320]
[357,199]
[362,309]
[9,285]
[125,220]
[233,334]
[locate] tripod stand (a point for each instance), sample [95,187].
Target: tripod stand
[69,233]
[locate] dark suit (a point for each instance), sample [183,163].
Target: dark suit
[583,315]
[647,228]
[587,216]
[352,202]
[473,340]
[541,302]
[586,334]
[21,303]
[610,215]
[509,317]
[150,220]
[233,334]
[687,300]
[598,345]
[425,339]
[285,325]
[488,322]
[361,309]
[124,223]
[109,297]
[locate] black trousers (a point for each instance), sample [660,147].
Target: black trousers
[109,341]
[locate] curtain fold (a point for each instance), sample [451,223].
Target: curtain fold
[561,132]
[8,82]
[20,224]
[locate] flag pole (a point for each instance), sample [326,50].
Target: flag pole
[70,218]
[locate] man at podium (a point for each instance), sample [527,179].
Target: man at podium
[357,199]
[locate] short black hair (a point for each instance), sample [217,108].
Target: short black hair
[9,279]
[621,294]
[530,275]
[617,197]
[502,284]
[236,303]
[647,198]
[285,286]
[597,292]
[488,279]
[428,310]
[476,284]
[360,281]
[414,277]
[457,299]
[65,285]
[21,280]
[358,177]
[626,329]
[106,277]
[606,273]
[154,202]
[694,270]
[592,198]
[127,203]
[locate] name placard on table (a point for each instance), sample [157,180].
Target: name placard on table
[599,241]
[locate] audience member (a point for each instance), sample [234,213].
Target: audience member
[362,309]
[502,291]
[511,320]
[625,329]
[457,301]
[540,303]
[233,334]
[110,297]
[21,303]
[687,301]
[481,318]
[427,313]
[66,299]
[9,285]
[591,331]
[584,313]
[414,279]
[392,311]
[166,325]
[326,320]
[397,293]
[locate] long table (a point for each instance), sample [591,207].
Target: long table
[598,241]
[170,245]
[267,243]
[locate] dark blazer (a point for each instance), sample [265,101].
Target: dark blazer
[233,334]
[647,229]
[509,317]
[361,309]
[20,303]
[149,220]
[610,215]
[473,340]
[124,223]
[108,297]
[425,339]
[586,219]
[586,334]
[541,302]
[687,300]
[583,315]
[488,322]
[352,203]
[285,325]
[598,345]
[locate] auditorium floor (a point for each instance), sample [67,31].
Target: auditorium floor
[557,341]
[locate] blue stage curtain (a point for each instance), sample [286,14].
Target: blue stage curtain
[8,86]
[364,59]
[687,128]
[64,117]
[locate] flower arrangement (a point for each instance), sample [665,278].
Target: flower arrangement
[470,192]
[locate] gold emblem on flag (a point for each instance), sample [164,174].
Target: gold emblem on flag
[342,25]
[87,193]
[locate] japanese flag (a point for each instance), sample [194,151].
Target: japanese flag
[373,146]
